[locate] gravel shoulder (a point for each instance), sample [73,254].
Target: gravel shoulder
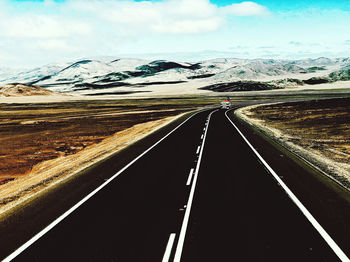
[316,132]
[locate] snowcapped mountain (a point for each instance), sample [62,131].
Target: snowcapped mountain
[322,61]
[108,72]
[32,75]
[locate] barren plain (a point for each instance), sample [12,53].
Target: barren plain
[41,144]
[318,130]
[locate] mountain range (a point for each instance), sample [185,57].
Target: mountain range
[108,72]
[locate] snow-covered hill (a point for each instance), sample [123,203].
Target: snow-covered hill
[98,74]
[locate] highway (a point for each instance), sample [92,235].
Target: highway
[199,194]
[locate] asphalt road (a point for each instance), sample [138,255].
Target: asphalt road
[199,195]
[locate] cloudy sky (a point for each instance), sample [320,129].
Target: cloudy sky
[37,32]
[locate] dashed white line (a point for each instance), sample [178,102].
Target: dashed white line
[181,241]
[190,177]
[202,136]
[198,148]
[169,247]
[77,205]
[334,246]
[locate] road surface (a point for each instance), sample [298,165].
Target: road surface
[200,194]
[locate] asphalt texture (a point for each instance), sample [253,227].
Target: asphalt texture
[239,212]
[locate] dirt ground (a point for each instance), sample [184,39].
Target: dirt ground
[21,90]
[318,130]
[41,144]
[33,133]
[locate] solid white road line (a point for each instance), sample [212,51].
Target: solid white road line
[180,242]
[341,255]
[72,209]
[189,177]
[169,247]
[198,148]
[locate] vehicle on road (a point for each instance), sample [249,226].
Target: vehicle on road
[226,104]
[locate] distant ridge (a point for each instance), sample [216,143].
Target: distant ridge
[112,72]
[15,89]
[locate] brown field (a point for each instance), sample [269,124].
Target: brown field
[319,129]
[43,144]
[33,133]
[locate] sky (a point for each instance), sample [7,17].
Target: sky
[39,32]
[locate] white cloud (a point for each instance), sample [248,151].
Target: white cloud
[188,26]
[192,8]
[169,16]
[54,44]
[120,12]
[246,9]
[40,26]
[50,30]
[295,43]
[54,20]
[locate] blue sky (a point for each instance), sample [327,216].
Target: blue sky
[274,5]
[278,5]
[37,32]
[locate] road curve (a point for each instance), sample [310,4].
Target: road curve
[201,194]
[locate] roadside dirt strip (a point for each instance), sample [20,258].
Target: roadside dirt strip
[317,130]
[54,171]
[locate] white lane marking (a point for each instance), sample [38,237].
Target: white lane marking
[341,255]
[169,247]
[204,129]
[202,136]
[189,177]
[180,242]
[198,148]
[72,209]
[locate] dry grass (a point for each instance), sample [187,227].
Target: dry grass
[43,144]
[20,90]
[319,130]
[31,134]
[56,170]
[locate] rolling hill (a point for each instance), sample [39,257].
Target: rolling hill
[109,72]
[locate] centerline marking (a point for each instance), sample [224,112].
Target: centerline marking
[169,247]
[86,198]
[181,241]
[190,177]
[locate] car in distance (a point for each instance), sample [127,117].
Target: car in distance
[226,104]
